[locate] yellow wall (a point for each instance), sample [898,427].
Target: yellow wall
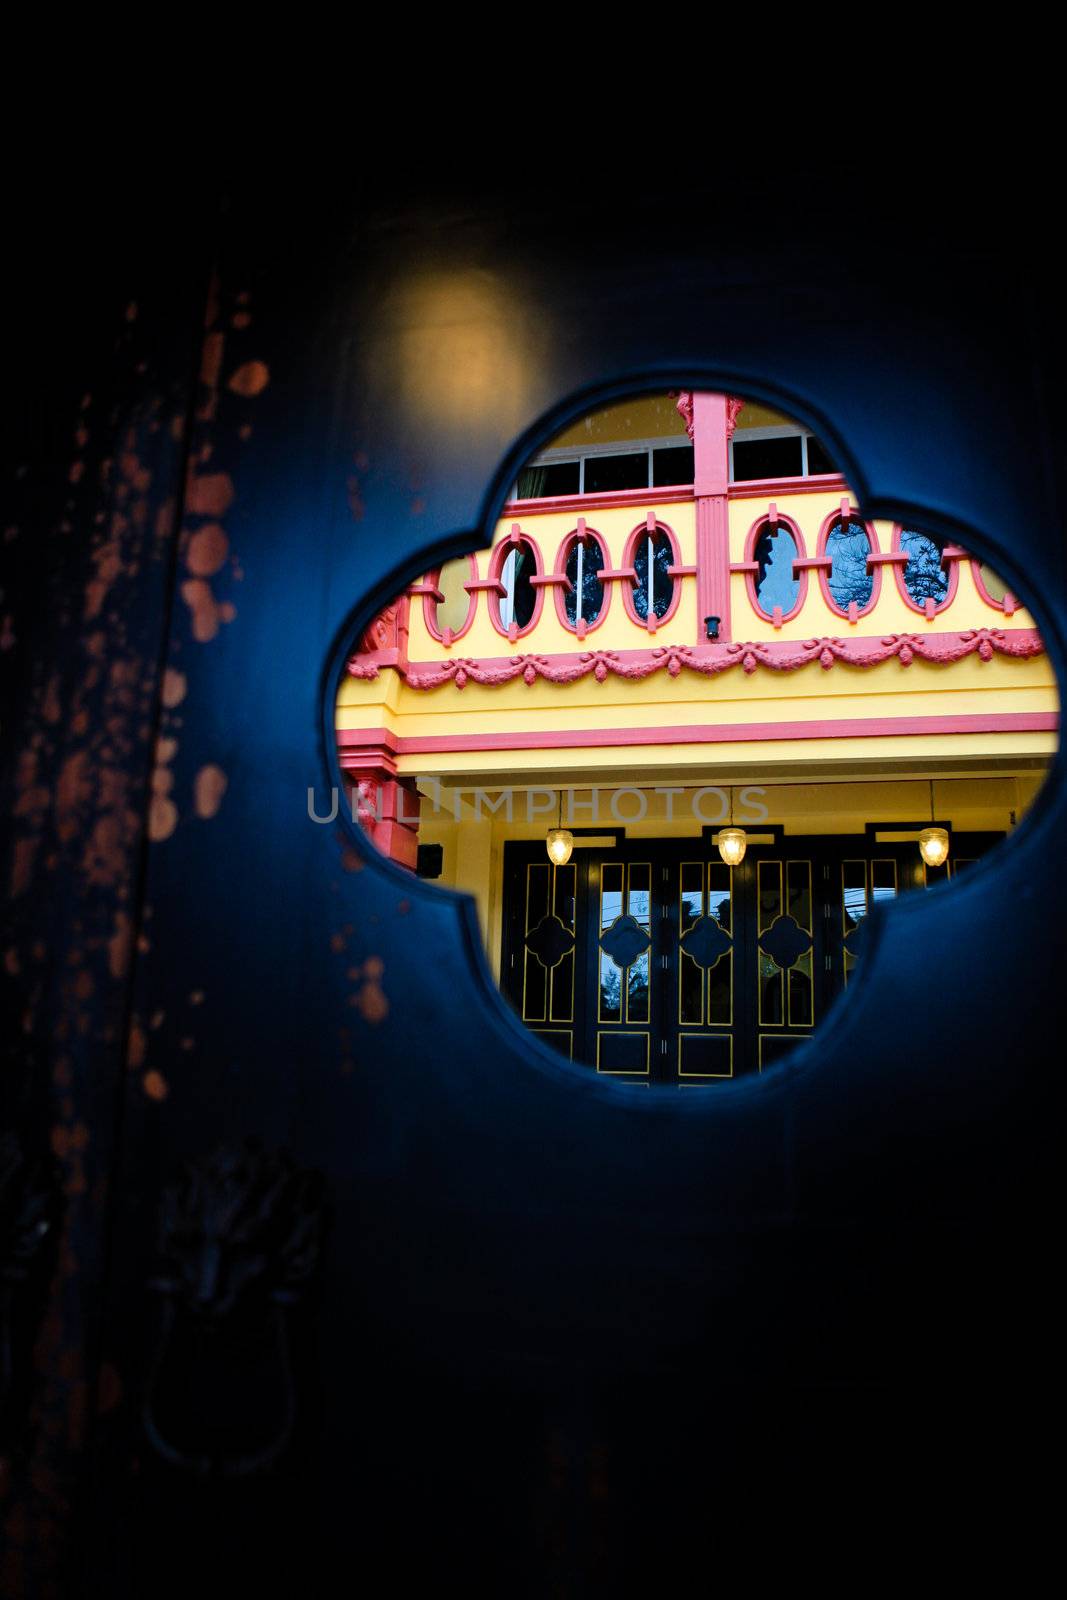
[754,415]
[653,416]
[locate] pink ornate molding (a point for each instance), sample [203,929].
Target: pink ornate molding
[384,641]
[384,633]
[710,660]
[384,803]
[684,407]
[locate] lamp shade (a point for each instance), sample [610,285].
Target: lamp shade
[559,844]
[933,846]
[732,843]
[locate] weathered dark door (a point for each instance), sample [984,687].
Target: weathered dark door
[468,1312]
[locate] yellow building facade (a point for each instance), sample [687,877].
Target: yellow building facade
[684,624]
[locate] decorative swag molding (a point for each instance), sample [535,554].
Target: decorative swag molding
[708,660]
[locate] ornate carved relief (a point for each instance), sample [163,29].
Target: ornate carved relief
[240,1239]
[383,632]
[710,660]
[684,408]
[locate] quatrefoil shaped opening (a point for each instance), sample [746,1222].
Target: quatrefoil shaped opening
[785,941]
[734,581]
[550,941]
[706,941]
[625,941]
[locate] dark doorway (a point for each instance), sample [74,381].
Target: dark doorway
[653,961]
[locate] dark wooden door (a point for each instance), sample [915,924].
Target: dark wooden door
[676,968]
[655,962]
[554,1323]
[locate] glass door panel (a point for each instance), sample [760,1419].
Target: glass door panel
[702,892]
[624,963]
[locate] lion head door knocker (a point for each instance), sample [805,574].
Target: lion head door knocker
[240,1239]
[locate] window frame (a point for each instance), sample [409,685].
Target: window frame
[619,447]
[756,435]
[430,602]
[497,562]
[751,540]
[897,548]
[1005,608]
[644,531]
[560,572]
[826,563]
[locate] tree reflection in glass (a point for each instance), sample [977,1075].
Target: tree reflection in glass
[848,547]
[924,576]
[586,595]
[775,552]
[656,579]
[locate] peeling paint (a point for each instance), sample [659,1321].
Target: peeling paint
[210,495]
[206,612]
[372,1003]
[250,379]
[162,818]
[209,786]
[207,550]
[137,1047]
[118,946]
[175,685]
[211,358]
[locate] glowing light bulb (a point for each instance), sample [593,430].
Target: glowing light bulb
[732,843]
[559,844]
[933,846]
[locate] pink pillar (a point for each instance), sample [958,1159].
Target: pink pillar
[385,804]
[714,416]
[396,835]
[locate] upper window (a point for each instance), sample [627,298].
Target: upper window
[924,576]
[584,600]
[549,478]
[848,544]
[775,550]
[519,601]
[654,586]
[776,453]
[646,464]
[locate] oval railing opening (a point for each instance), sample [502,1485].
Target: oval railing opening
[683,724]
